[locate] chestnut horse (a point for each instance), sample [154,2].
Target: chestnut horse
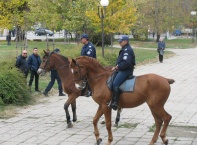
[150,88]
[61,64]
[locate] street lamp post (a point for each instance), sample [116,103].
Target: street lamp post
[193,13]
[104,4]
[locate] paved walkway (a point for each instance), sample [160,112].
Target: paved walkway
[45,124]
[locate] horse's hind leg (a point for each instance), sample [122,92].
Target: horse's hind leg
[166,118]
[117,117]
[158,124]
[73,105]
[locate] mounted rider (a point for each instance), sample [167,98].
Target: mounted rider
[124,67]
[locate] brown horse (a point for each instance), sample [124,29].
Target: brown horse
[150,88]
[61,64]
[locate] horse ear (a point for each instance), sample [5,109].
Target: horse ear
[72,62]
[45,52]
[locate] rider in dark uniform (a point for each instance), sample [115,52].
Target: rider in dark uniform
[87,50]
[124,67]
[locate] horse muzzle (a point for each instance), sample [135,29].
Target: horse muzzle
[39,71]
[80,86]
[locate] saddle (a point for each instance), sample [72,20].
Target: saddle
[127,86]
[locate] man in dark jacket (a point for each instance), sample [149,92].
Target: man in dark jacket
[54,76]
[124,67]
[87,50]
[21,63]
[8,39]
[34,62]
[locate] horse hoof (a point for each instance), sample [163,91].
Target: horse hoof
[70,125]
[166,142]
[115,125]
[103,122]
[99,141]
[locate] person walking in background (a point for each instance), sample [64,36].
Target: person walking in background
[34,62]
[88,49]
[8,39]
[21,63]
[54,76]
[160,49]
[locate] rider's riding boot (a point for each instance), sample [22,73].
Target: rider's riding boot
[114,103]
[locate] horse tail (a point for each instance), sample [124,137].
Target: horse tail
[170,81]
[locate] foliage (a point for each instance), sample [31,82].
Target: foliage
[12,12]
[13,85]
[161,16]
[119,16]
[97,39]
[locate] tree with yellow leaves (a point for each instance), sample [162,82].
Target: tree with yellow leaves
[12,12]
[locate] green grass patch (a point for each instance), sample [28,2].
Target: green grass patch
[128,125]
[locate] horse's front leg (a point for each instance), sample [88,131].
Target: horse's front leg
[99,113]
[73,104]
[66,105]
[107,113]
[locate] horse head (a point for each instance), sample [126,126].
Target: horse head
[79,73]
[86,69]
[45,65]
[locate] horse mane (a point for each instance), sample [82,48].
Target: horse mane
[91,60]
[64,58]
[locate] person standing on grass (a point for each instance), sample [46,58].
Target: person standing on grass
[21,63]
[34,62]
[8,39]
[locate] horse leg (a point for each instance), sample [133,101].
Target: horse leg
[158,124]
[107,113]
[99,113]
[117,117]
[73,105]
[69,123]
[166,118]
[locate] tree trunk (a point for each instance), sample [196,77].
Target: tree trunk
[158,36]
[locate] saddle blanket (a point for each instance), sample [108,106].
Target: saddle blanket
[126,86]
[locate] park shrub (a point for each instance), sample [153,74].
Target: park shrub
[96,39]
[13,85]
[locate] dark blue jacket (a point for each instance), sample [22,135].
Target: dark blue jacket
[161,45]
[126,58]
[21,63]
[34,62]
[88,50]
